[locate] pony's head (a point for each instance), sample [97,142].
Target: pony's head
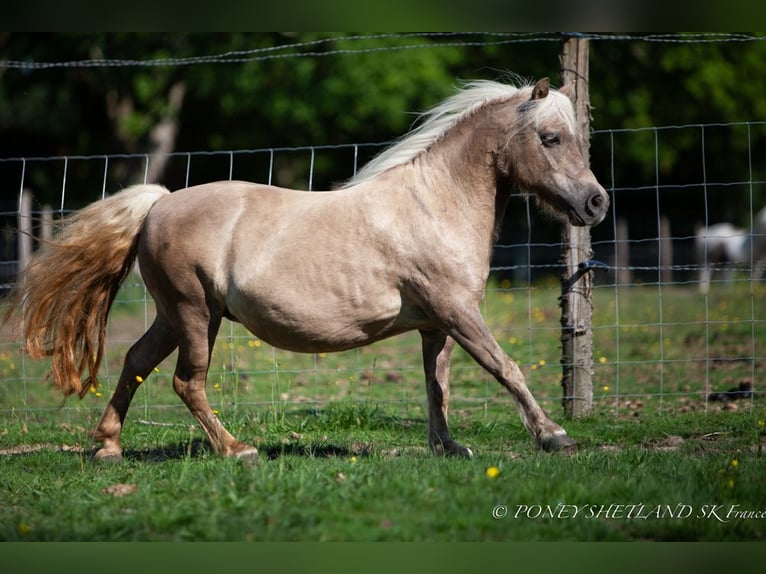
[534,144]
[543,155]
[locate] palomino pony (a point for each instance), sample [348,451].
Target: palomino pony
[722,247]
[404,245]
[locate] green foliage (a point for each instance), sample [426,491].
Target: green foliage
[333,96]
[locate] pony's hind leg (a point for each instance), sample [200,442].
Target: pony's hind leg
[156,344]
[198,333]
[437,348]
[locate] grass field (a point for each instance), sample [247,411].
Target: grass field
[342,436]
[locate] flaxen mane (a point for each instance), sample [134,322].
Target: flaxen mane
[467,101]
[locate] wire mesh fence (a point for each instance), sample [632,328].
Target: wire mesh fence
[664,341]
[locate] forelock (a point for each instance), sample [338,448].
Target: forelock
[555,107]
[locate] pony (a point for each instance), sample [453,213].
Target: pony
[404,245]
[724,247]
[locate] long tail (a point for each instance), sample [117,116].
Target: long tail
[65,293]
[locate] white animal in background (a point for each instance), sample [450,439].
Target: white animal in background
[724,247]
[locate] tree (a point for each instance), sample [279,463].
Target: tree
[341,88]
[643,84]
[328,97]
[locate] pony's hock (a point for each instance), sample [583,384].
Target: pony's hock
[405,245]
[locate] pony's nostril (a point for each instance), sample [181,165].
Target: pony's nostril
[595,204]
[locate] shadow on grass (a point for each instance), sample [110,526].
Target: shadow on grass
[344,420]
[273,452]
[197,448]
[200,448]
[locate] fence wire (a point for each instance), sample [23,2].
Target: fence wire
[663,340]
[326,47]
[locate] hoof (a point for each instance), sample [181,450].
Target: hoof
[559,443]
[108,455]
[243,451]
[464,451]
[451,448]
[250,454]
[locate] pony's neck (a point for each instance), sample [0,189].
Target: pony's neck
[462,167]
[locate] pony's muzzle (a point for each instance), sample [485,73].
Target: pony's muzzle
[596,206]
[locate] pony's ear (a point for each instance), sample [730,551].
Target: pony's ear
[568,90]
[540,89]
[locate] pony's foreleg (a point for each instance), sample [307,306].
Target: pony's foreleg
[470,331]
[156,344]
[437,348]
[189,383]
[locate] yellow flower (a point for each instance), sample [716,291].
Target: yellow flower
[606,388]
[139,379]
[215,411]
[730,484]
[734,464]
[602,360]
[492,472]
[542,362]
[761,424]
[352,459]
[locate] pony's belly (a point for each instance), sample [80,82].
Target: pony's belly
[306,337]
[303,340]
[323,326]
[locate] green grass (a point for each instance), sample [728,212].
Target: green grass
[351,473]
[342,437]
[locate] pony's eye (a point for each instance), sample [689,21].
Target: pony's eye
[549,139]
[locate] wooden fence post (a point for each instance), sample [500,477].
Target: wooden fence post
[46,223]
[25,229]
[576,302]
[622,253]
[666,250]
